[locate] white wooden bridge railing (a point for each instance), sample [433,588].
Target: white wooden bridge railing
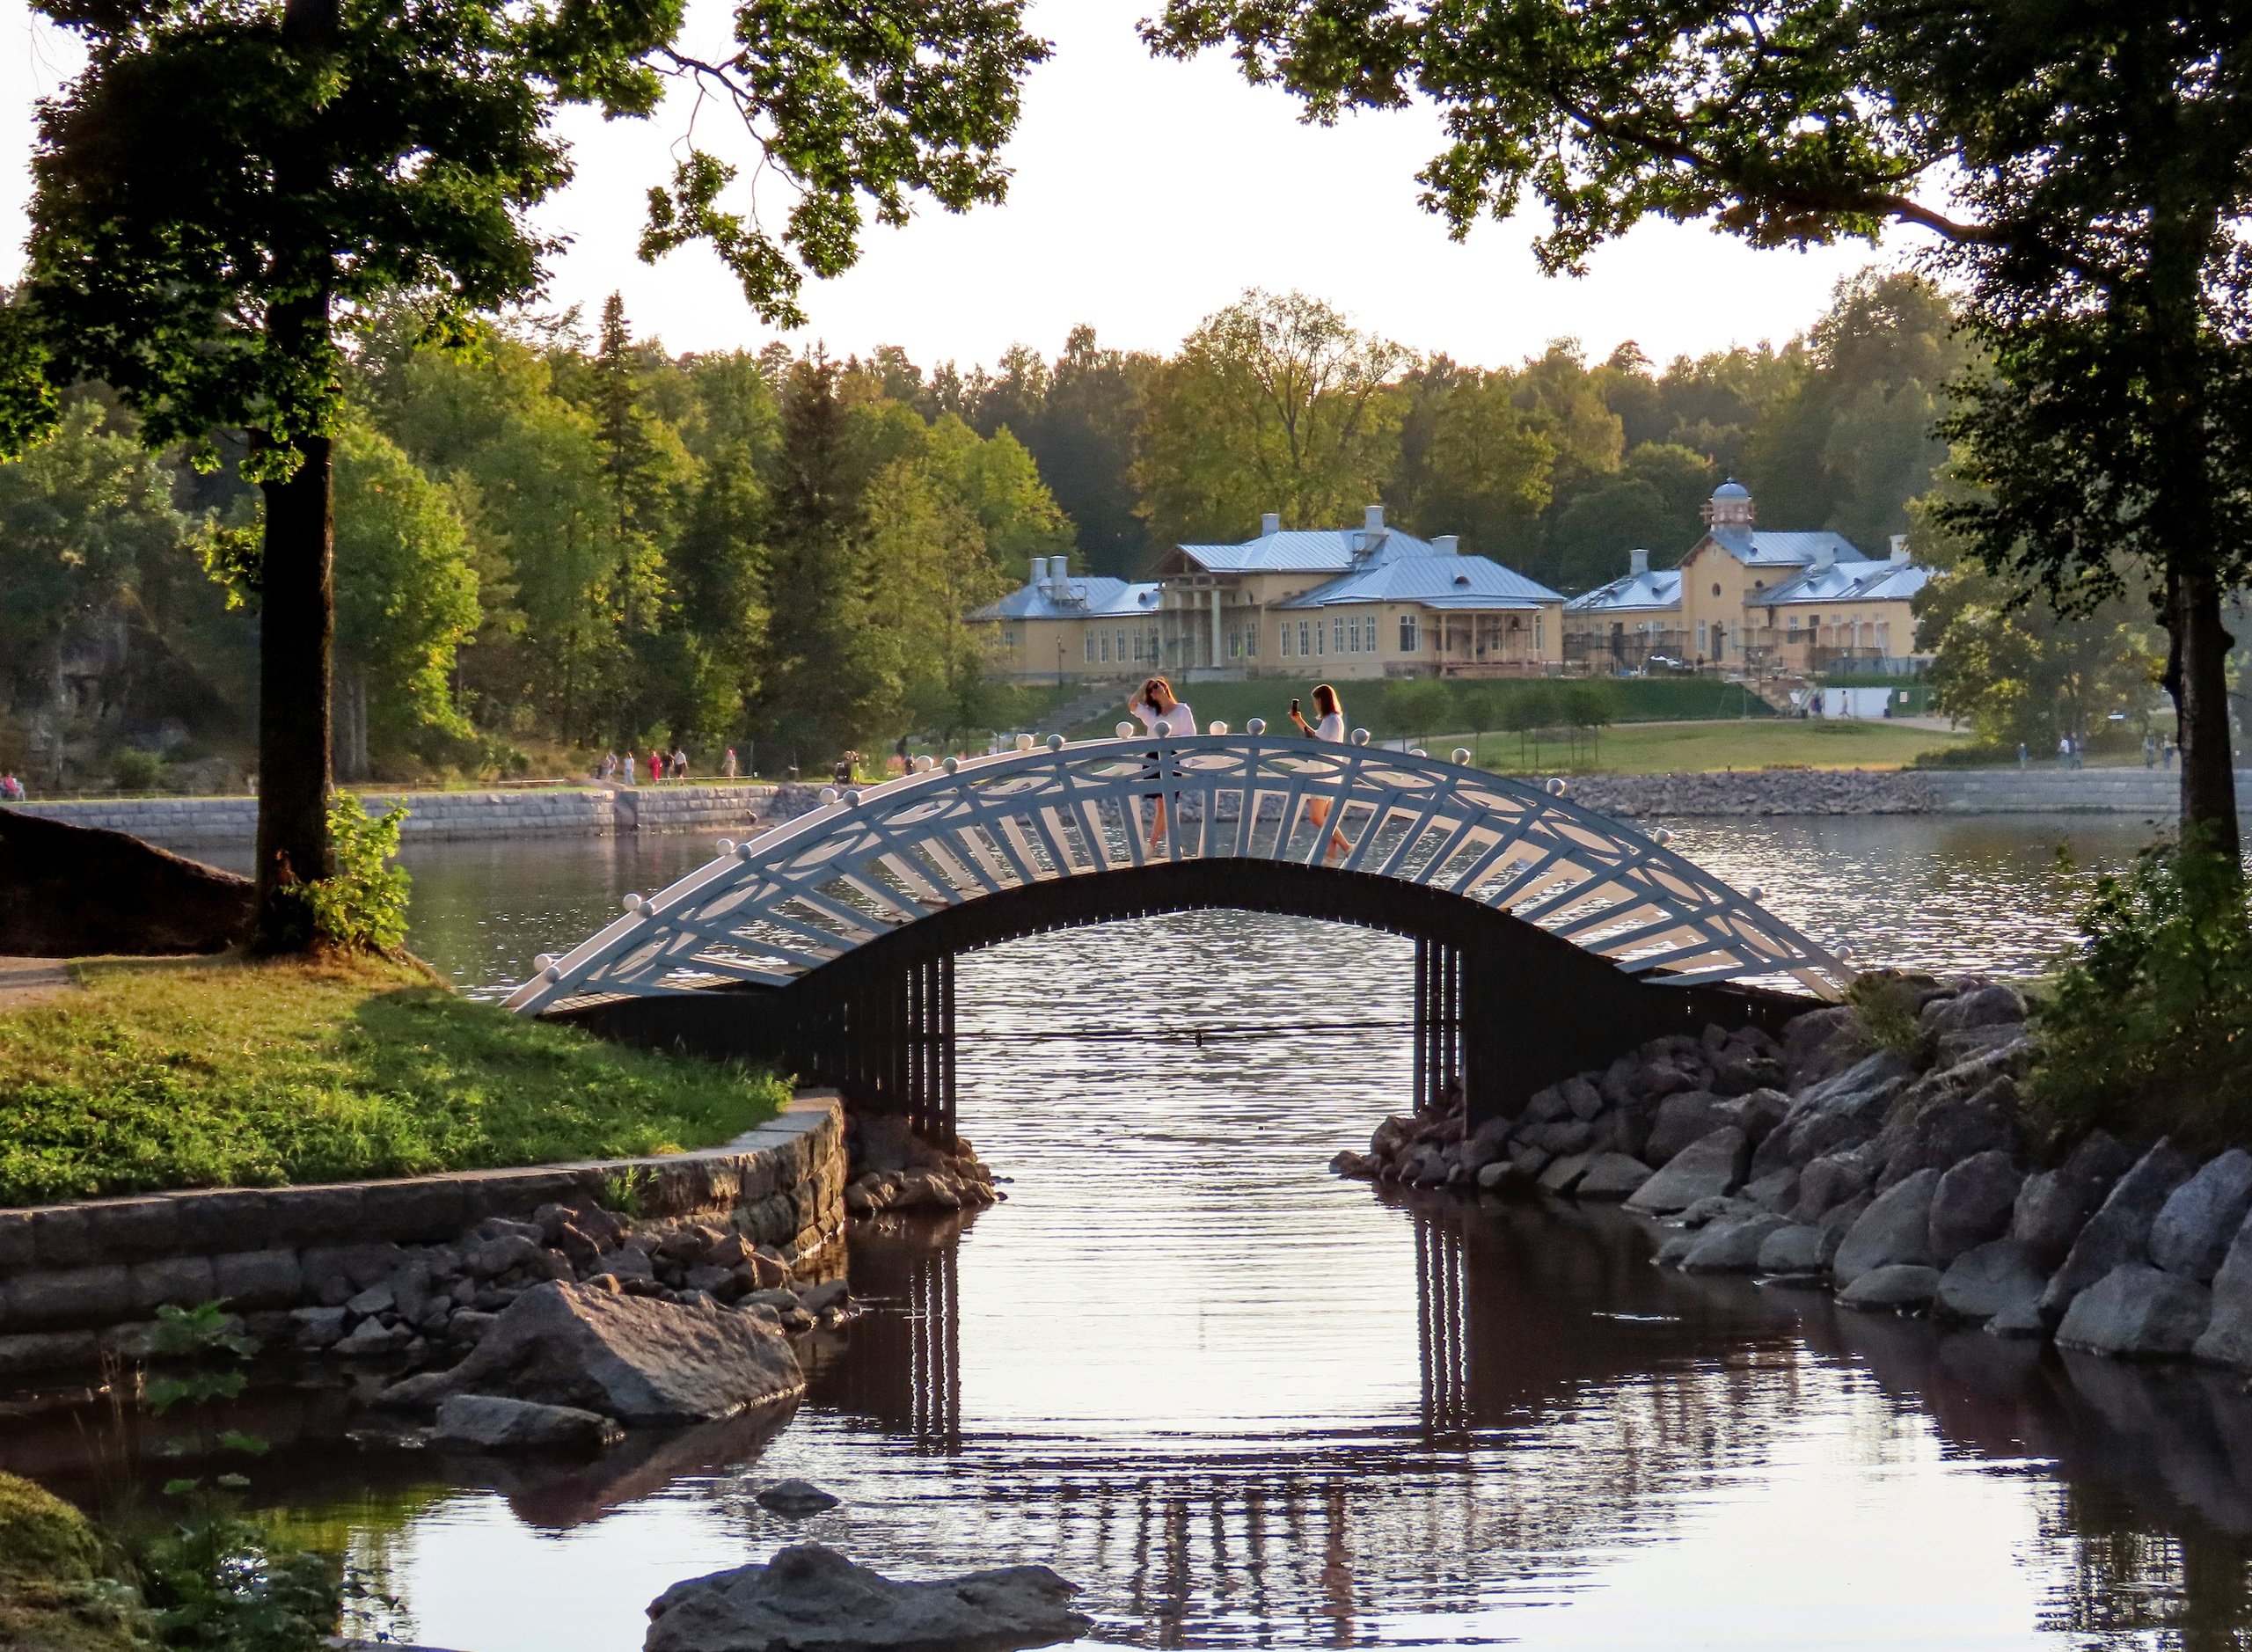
[815,887]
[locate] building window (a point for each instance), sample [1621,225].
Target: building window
[1235,642]
[1536,634]
[1305,647]
[1286,639]
[1700,636]
[1793,625]
[1337,634]
[1008,636]
[1716,588]
[1106,646]
[1319,638]
[1406,634]
[1087,645]
[1154,642]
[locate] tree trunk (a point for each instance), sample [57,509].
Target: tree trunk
[297,628]
[2197,675]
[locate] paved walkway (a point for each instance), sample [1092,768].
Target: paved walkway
[26,981]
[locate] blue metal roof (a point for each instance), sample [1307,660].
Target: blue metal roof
[1096,596]
[1846,583]
[1660,589]
[1758,548]
[1311,551]
[1432,581]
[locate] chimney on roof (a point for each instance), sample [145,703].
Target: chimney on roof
[1448,544]
[1638,562]
[1270,524]
[1372,519]
[1039,571]
[1899,547]
[1825,554]
[1057,575]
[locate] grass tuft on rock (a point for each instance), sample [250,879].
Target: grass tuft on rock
[324,1069]
[55,1592]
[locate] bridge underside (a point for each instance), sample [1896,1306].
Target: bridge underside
[1502,1007]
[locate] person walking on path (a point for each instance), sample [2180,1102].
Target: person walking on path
[680,763]
[1331,711]
[1167,717]
[843,771]
[628,766]
[728,767]
[608,772]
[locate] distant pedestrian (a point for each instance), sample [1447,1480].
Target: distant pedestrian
[679,763]
[2064,751]
[11,789]
[1331,727]
[608,772]
[844,771]
[1168,717]
[2023,756]
[628,766]
[2169,754]
[728,769]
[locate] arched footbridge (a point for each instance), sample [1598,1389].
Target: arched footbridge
[1548,937]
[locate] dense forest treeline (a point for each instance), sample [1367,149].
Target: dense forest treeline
[550,543]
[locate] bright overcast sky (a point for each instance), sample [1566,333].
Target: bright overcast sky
[1147,194]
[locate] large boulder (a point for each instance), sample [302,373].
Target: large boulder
[1610,1176]
[1949,1128]
[2119,1232]
[2200,1218]
[1993,1004]
[1797,1248]
[488,1422]
[1822,1043]
[1842,1111]
[809,1598]
[2137,1309]
[1830,1181]
[1683,1118]
[2001,1276]
[2227,1339]
[1709,1167]
[2053,1206]
[638,1359]
[1896,1229]
[1973,1203]
[68,891]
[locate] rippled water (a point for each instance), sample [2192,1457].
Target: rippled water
[1244,1404]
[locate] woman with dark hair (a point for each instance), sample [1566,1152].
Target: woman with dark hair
[1331,711]
[1166,716]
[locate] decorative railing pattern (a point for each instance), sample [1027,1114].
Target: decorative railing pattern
[772,909]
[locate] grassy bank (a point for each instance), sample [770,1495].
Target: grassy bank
[1639,700]
[1693,747]
[219,1075]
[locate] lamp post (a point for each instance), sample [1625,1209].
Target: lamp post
[1059,663]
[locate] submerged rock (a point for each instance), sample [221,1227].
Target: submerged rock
[1611,1176]
[809,1598]
[795,1499]
[1798,1248]
[487,1422]
[1732,1245]
[1896,1286]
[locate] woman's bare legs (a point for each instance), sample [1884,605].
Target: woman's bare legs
[1317,809]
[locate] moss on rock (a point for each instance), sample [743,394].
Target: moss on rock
[56,1594]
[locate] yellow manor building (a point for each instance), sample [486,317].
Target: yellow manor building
[1749,599]
[1362,602]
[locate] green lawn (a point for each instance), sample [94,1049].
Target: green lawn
[1689,748]
[228,1074]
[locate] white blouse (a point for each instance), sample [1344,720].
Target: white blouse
[1332,728]
[1178,721]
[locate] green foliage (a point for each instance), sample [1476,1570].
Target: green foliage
[257,1075]
[57,1590]
[364,903]
[2148,1026]
[216,1578]
[1417,705]
[136,771]
[1888,1004]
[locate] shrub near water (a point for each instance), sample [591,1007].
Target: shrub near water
[322,1071]
[2149,1026]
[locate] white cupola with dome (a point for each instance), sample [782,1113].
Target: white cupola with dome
[1730,506]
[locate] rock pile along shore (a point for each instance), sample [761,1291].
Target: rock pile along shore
[892,1169]
[1903,1181]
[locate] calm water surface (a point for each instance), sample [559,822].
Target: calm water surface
[1245,1405]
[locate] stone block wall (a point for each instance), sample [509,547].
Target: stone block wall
[77,1280]
[1757,792]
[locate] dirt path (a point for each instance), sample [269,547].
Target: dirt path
[25,982]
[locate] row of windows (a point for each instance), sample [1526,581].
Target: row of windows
[1357,633]
[1105,647]
[1302,638]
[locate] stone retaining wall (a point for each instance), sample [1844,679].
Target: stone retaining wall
[1758,792]
[77,1280]
[445,816]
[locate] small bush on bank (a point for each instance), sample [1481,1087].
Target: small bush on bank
[1973,756]
[2149,1026]
[325,1070]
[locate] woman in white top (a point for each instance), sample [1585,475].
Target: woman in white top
[1332,728]
[1168,717]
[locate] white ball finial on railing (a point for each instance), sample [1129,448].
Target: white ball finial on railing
[1661,837]
[1125,731]
[631,904]
[1755,892]
[1417,751]
[1462,757]
[1024,743]
[953,765]
[726,845]
[1216,728]
[543,962]
[1256,726]
[1360,737]
[744,851]
[1055,742]
[852,798]
[1554,787]
[553,972]
[925,764]
[828,795]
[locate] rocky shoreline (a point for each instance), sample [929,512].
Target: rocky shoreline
[1904,1179]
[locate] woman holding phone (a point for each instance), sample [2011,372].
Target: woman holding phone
[1158,710]
[1331,712]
